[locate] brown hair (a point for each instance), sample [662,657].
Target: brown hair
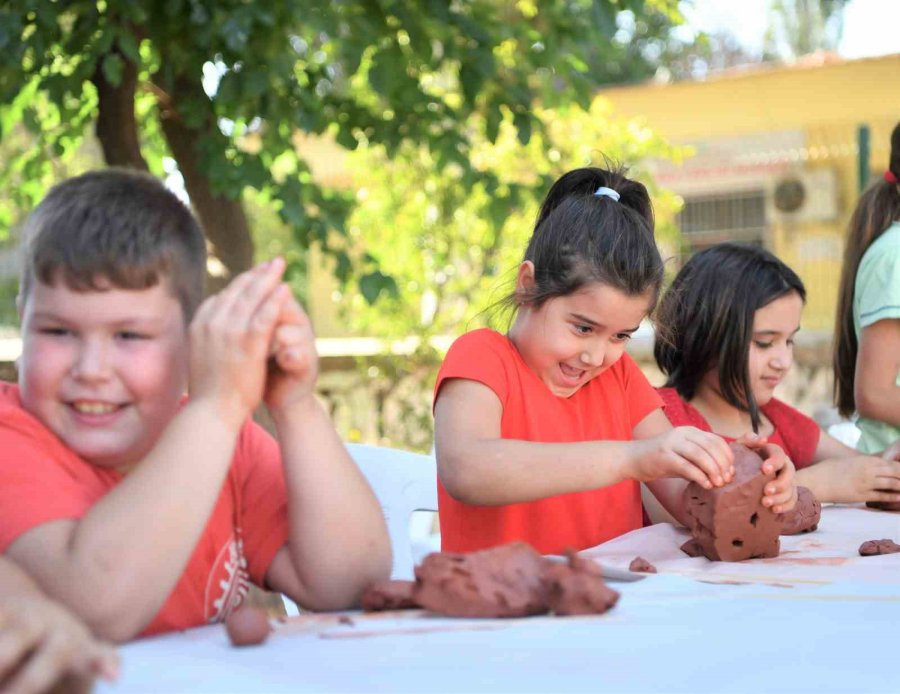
[705,319]
[117,227]
[581,237]
[876,210]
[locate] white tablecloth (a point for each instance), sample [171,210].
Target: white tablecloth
[819,619]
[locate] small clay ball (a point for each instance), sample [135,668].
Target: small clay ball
[641,565]
[247,626]
[872,547]
[804,517]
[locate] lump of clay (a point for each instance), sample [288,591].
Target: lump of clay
[872,547]
[884,505]
[692,548]
[804,517]
[247,626]
[641,565]
[730,523]
[388,595]
[499,582]
[577,587]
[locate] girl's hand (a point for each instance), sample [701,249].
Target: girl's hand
[781,493]
[687,452]
[892,452]
[864,478]
[41,644]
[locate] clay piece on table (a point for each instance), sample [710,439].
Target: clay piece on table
[804,517]
[247,626]
[388,595]
[872,547]
[502,581]
[641,565]
[884,505]
[577,587]
[692,548]
[729,522]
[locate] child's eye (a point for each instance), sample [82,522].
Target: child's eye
[790,343]
[621,337]
[130,335]
[762,345]
[583,329]
[53,331]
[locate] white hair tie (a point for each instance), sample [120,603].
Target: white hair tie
[603,191]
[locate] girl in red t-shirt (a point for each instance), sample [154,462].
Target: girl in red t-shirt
[542,434]
[725,342]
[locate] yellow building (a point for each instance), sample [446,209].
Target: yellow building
[776,156]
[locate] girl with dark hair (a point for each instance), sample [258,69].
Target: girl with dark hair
[867,330]
[726,338]
[543,434]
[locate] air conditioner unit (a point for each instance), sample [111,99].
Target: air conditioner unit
[805,196]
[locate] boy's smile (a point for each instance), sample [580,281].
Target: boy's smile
[103,370]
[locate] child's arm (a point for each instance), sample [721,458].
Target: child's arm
[337,540]
[780,494]
[479,467]
[877,363]
[842,475]
[117,564]
[41,643]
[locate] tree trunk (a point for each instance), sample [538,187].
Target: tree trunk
[224,220]
[116,123]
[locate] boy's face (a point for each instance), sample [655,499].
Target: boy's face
[103,370]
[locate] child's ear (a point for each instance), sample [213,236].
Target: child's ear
[525,281]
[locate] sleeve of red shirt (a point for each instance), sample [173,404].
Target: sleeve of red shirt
[263,503]
[34,487]
[640,396]
[477,356]
[799,432]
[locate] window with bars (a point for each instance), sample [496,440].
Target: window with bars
[709,219]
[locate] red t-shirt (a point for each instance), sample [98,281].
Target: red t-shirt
[41,481]
[796,433]
[606,408]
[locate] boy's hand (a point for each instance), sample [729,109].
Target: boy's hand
[42,644]
[781,493]
[687,452]
[294,365]
[230,338]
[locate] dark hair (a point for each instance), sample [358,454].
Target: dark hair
[876,210]
[115,226]
[580,237]
[705,319]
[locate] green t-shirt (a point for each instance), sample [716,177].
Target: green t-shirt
[877,297]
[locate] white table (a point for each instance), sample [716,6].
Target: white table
[819,618]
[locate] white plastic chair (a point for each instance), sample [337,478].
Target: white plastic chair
[403,482]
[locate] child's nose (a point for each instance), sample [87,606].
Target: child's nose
[594,354]
[92,362]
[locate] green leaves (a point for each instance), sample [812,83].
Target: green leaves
[437,78]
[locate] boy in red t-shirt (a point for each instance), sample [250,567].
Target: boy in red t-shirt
[139,509]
